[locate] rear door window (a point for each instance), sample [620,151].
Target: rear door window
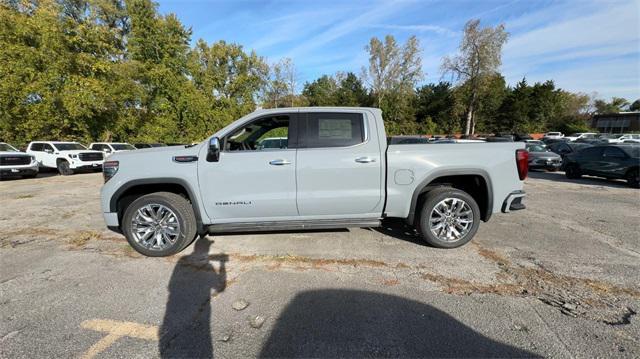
[613,152]
[591,153]
[329,129]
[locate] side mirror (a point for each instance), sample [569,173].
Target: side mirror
[107,150]
[48,151]
[213,154]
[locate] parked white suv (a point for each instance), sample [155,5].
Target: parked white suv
[553,135]
[16,163]
[65,156]
[111,147]
[579,135]
[630,138]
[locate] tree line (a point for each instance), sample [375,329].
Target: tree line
[118,70]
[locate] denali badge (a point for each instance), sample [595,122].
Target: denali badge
[234,203]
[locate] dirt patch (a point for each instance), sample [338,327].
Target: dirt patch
[573,296]
[81,238]
[293,261]
[390,282]
[24,196]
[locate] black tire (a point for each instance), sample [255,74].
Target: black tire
[572,171]
[633,178]
[64,168]
[184,214]
[433,198]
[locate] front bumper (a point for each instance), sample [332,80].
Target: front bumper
[111,220]
[85,165]
[23,170]
[513,202]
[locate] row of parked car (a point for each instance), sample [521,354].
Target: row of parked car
[615,161]
[609,156]
[65,157]
[592,137]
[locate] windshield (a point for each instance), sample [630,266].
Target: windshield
[536,148]
[5,147]
[69,146]
[122,146]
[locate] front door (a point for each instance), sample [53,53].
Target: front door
[251,181]
[339,171]
[49,156]
[590,160]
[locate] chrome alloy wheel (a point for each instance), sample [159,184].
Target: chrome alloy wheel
[155,227]
[451,219]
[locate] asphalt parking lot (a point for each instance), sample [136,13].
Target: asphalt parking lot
[560,279]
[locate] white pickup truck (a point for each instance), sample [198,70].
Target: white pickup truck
[16,163]
[66,157]
[336,171]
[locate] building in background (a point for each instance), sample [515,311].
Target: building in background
[622,122]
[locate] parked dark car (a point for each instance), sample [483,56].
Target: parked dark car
[541,158]
[147,145]
[611,161]
[499,139]
[591,141]
[565,148]
[550,141]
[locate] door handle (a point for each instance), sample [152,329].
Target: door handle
[279,162]
[365,159]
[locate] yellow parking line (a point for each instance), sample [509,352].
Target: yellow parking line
[116,329]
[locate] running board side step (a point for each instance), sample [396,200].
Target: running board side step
[292,225]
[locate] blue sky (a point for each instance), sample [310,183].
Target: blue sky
[583,45]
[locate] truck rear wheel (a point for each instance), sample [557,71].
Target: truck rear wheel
[449,218]
[159,224]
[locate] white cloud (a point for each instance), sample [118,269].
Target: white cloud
[340,29]
[420,28]
[618,24]
[598,51]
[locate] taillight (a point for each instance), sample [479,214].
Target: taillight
[522,161]
[109,169]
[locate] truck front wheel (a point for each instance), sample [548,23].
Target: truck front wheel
[64,168]
[159,224]
[449,218]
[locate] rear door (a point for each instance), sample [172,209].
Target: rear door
[613,162]
[339,173]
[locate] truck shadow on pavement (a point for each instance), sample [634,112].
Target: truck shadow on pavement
[354,323]
[397,228]
[186,327]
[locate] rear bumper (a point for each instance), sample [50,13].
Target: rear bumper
[514,201]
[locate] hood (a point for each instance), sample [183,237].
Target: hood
[155,151]
[13,153]
[75,152]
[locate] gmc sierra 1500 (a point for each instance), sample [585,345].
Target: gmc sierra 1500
[336,171]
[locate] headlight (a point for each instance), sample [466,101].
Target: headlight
[109,169]
[73,155]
